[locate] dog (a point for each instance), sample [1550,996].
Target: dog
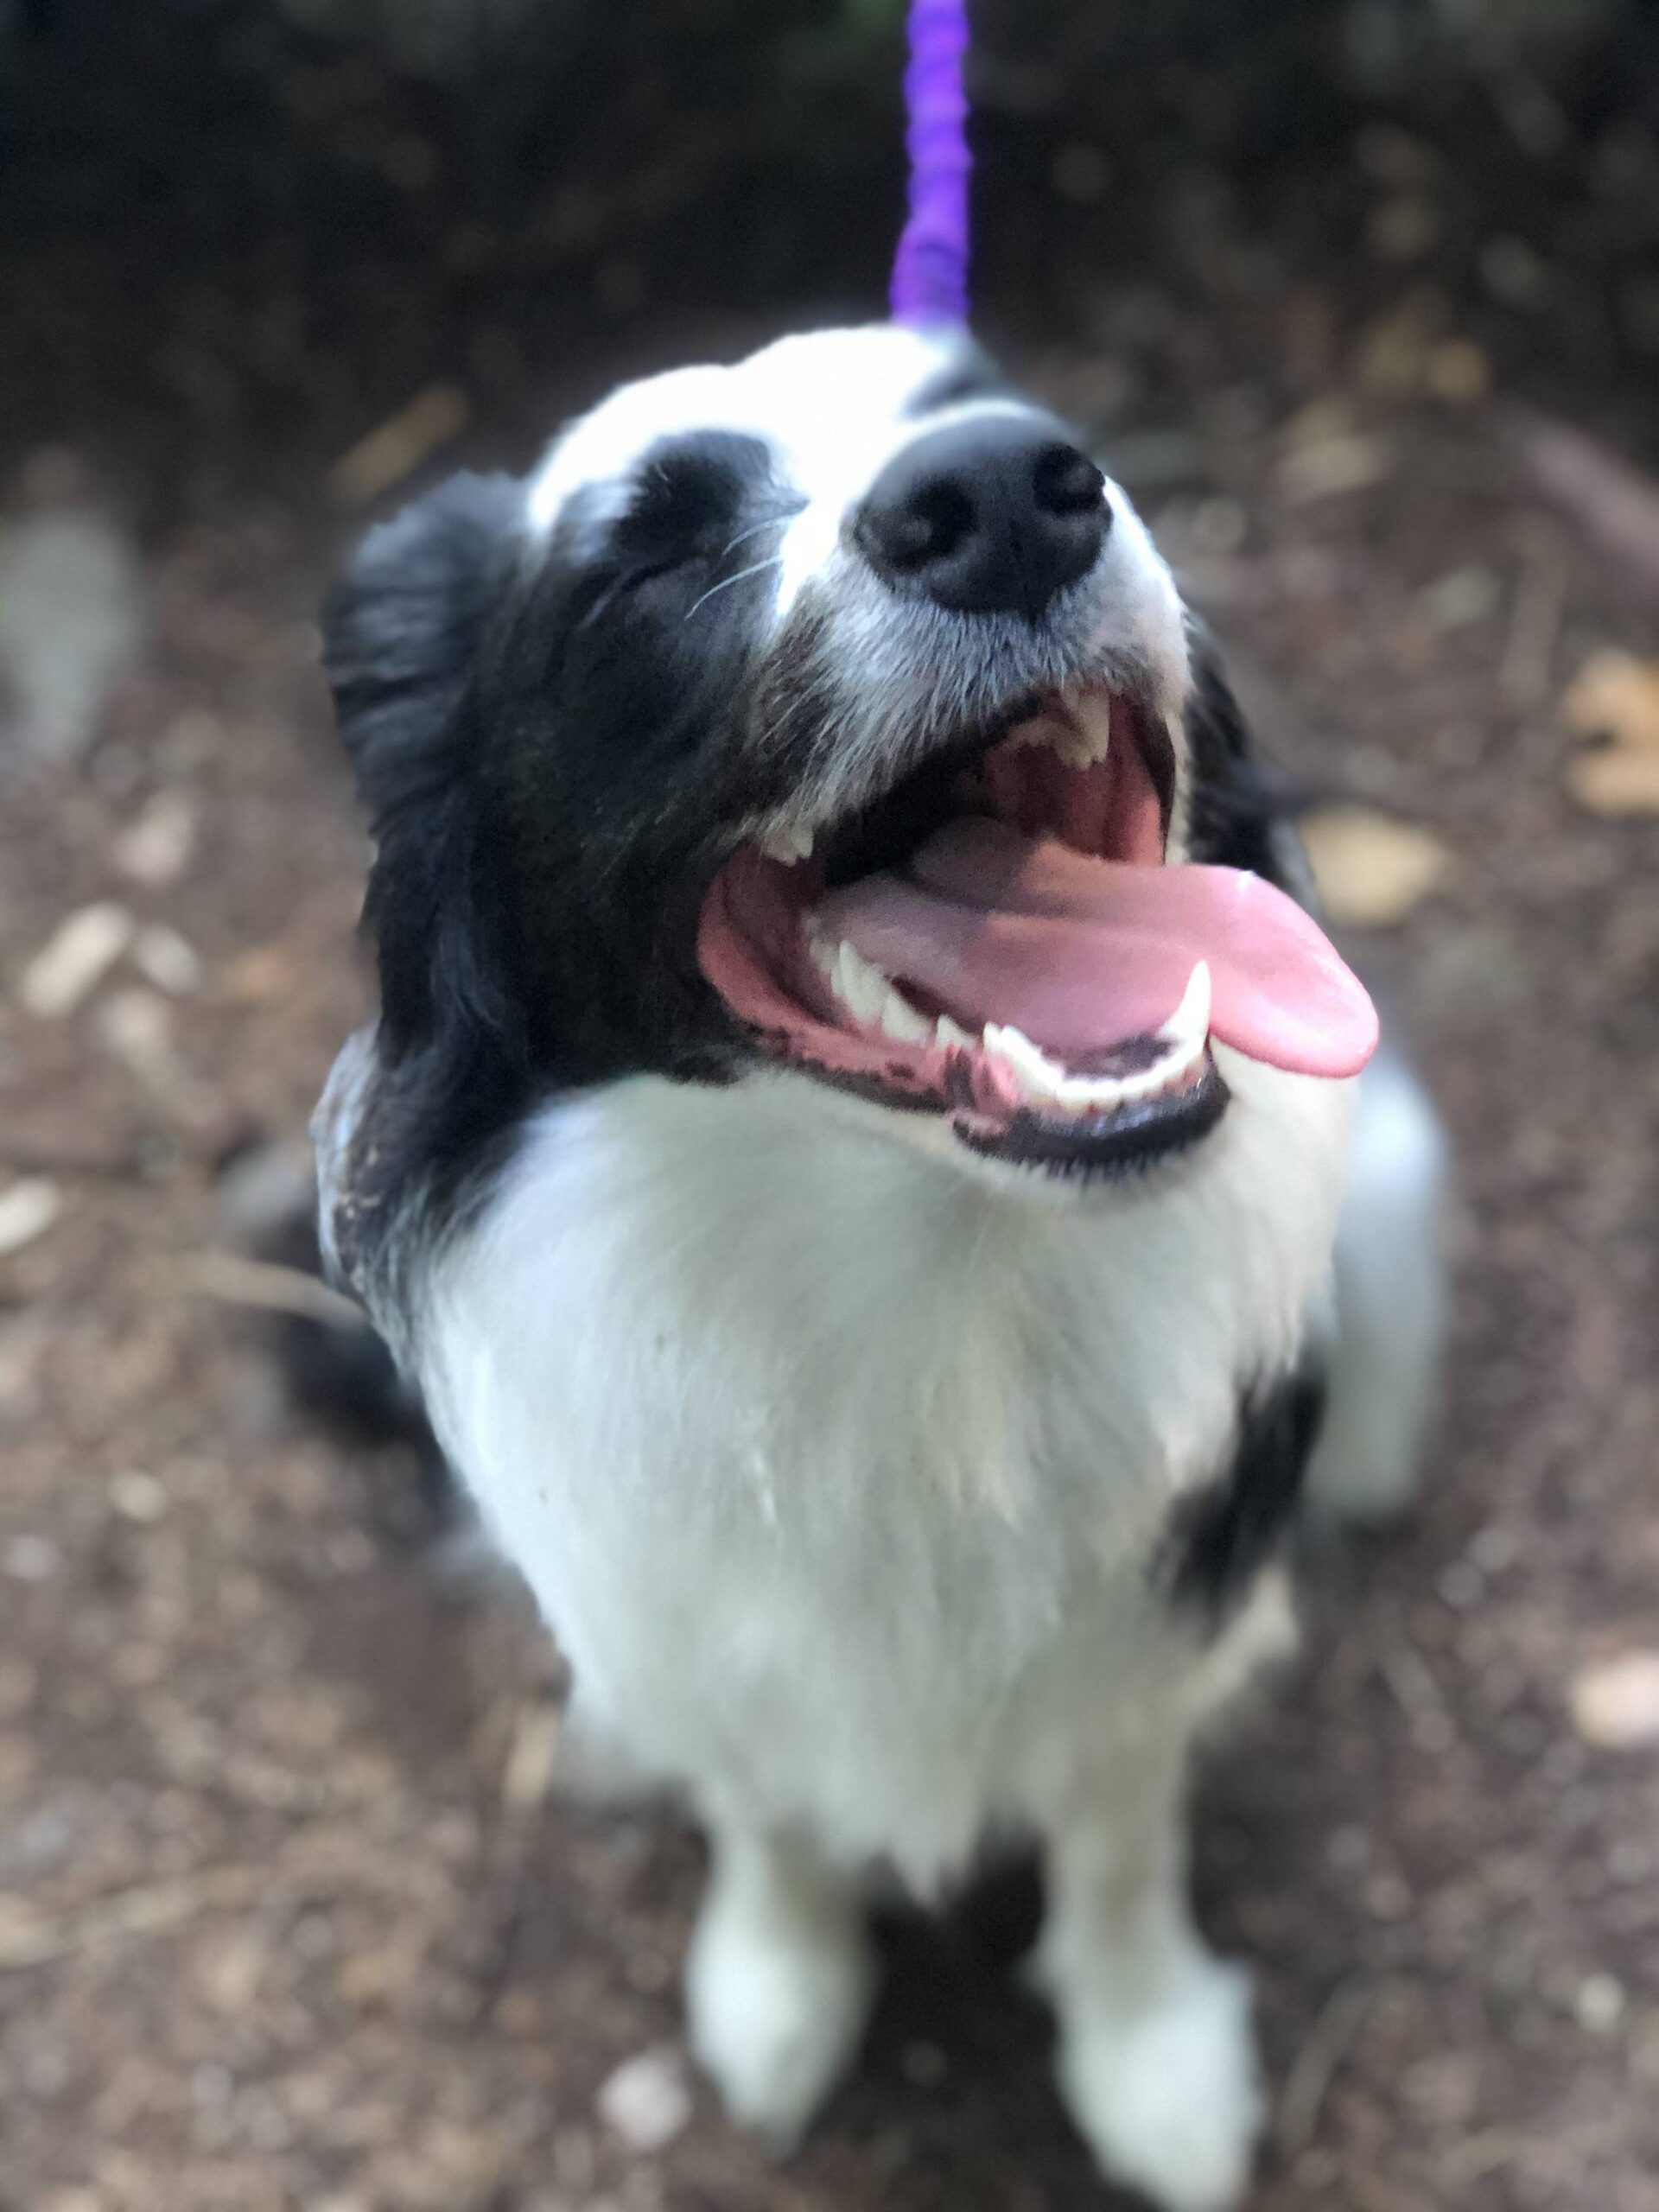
[852,1150]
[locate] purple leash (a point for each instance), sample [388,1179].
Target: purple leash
[930,271]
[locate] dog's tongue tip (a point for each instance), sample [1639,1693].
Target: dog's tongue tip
[1082,954]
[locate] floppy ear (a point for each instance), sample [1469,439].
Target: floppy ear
[400,630]
[1243,808]
[401,640]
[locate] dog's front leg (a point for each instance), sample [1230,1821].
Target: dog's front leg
[1156,2056]
[780,1976]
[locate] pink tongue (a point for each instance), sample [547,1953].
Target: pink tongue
[1083,954]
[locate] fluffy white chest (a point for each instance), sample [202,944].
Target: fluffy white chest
[842,1476]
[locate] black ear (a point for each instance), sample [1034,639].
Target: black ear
[400,630]
[401,635]
[1243,808]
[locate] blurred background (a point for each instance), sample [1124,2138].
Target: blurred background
[1360,298]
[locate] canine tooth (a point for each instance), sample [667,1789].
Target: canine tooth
[1190,1023]
[865,993]
[790,843]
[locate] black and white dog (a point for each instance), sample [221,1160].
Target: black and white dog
[852,1150]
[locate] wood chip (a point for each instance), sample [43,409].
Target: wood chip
[28,1209]
[1616,1702]
[394,451]
[1371,871]
[155,849]
[532,1757]
[168,960]
[75,959]
[646,2101]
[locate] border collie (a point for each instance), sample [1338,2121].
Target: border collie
[852,1151]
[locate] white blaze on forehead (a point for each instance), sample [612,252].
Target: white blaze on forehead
[600,448]
[830,404]
[832,407]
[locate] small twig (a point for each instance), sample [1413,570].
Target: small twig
[1615,502]
[1528,659]
[155,1908]
[25,1156]
[1325,2047]
[232,1281]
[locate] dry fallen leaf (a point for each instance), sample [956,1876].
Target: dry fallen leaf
[1615,696]
[1371,871]
[1615,780]
[1616,1701]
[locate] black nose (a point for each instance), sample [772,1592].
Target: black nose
[994,515]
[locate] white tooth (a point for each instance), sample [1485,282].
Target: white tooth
[1044,1083]
[1096,718]
[1190,1023]
[860,986]
[946,1031]
[1084,735]
[900,1020]
[1038,1076]
[790,842]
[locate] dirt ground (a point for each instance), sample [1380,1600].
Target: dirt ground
[289,1914]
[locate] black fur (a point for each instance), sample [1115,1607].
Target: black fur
[1240,814]
[1222,1539]
[536,731]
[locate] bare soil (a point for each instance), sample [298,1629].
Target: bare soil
[287,1917]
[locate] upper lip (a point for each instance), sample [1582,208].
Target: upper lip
[793,833]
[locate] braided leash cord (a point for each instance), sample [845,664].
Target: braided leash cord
[930,271]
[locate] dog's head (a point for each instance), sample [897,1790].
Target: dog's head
[830,711]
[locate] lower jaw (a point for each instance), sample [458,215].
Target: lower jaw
[1127,1142]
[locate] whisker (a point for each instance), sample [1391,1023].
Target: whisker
[726,584]
[770,522]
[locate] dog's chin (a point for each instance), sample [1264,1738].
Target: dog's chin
[857,954]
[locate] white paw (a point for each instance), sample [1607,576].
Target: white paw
[777,2006]
[1168,2096]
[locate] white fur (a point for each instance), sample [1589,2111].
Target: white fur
[1391,1297]
[841,1476]
[846,1468]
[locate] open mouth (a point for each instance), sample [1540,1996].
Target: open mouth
[999,939]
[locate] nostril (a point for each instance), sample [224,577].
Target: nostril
[929,526]
[1066,482]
